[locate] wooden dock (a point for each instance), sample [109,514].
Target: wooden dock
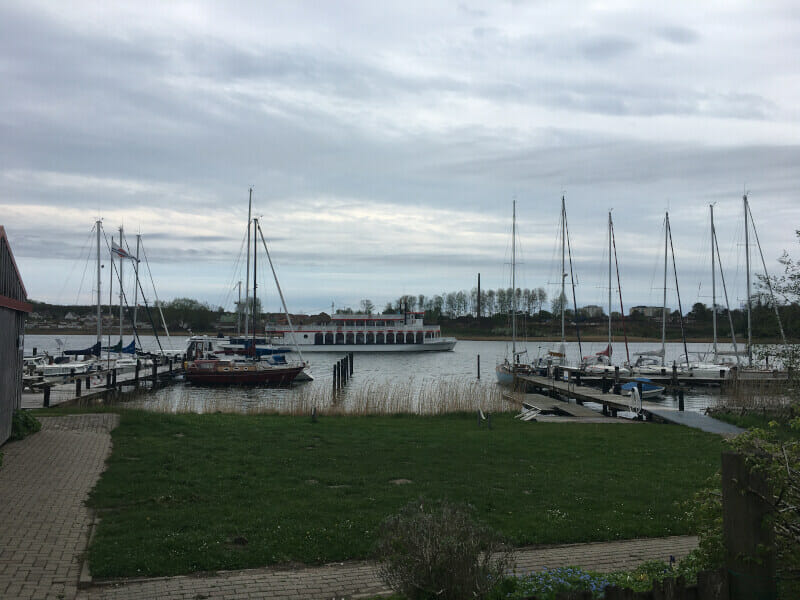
[97,385]
[615,403]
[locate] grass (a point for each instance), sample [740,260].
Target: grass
[185,493]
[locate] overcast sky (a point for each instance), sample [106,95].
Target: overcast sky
[386,142]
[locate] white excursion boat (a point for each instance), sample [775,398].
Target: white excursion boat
[365,333]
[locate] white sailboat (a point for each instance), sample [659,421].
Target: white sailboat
[508,370]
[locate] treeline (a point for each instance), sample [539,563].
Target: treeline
[462,303]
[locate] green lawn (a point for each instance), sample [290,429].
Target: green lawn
[187,493]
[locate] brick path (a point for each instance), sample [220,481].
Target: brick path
[358,579]
[44,524]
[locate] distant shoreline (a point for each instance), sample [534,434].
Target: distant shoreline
[465,338]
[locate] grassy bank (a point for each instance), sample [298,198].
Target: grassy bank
[187,493]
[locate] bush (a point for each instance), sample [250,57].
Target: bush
[23,424]
[437,550]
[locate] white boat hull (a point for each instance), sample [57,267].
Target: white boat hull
[434,346]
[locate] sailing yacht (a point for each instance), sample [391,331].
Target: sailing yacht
[508,370]
[600,363]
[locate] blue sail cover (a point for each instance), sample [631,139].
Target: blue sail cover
[130,348]
[91,350]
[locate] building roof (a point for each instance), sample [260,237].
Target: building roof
[12,291]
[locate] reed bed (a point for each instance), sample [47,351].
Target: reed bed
[371,397]
[754,396]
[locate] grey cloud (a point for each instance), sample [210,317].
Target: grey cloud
[678,34]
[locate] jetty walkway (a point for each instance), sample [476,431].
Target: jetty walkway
[45,481]
[614,403]
[96,385]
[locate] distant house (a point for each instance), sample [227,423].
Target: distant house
[13,308]
[649,312]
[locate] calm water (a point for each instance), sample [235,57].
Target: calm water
[402,373]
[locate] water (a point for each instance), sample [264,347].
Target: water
[415,375]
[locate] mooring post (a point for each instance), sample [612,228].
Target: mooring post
[78,387]
[170,366]
[108,379]
[333,379]
[46,402]
[155,373]
[88,381]
[114,377]
[136,374]
[351,363]
[479,366]
[674,374]
[604,385]
[680,400]
[616,375]
[747,533]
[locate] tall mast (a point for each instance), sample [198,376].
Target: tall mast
[609,283]
[514,283]
[136,285]
[563,271]
[120,289]
[747,262]
[664,301]
[255,283]
[98,224]
[239,311]
[247,277]
[713,282]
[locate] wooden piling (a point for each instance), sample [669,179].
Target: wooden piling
[479,366]
[78,387]
[155,373]
[46,402]
[747,532]
[136,374]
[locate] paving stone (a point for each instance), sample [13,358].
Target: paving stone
[44,483]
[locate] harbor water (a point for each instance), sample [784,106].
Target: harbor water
[403,378]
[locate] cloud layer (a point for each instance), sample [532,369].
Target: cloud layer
[385,144]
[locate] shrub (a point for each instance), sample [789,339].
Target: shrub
[23,424]
[550,583]
[437,550]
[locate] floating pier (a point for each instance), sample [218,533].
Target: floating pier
[614,403]
[96,385]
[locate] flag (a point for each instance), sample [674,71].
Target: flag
[120,251]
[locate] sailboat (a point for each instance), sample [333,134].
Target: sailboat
[508,370]
[600,363]
[204,364]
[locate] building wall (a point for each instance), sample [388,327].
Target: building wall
[11,332]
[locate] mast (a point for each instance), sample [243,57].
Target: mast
[563,273]
[749,304]
[609,285]
[98,225]
[136,285]
[280,293]
[664,302]
[247,277]
[725,291]
[255,284]
[120,289]
[619,289]
[239,311]
[713,282]
[678,293]
[514,283]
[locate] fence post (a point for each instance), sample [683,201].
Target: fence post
[749,538]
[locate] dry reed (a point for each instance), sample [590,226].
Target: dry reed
[431,397]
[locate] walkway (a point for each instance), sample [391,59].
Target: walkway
[44,524]
[358,579]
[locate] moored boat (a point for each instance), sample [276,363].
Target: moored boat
[649,389]
[203,365]
[405,332]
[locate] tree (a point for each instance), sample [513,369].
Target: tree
[388,309]
[367,306]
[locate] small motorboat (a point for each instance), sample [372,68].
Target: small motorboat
[649,389]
